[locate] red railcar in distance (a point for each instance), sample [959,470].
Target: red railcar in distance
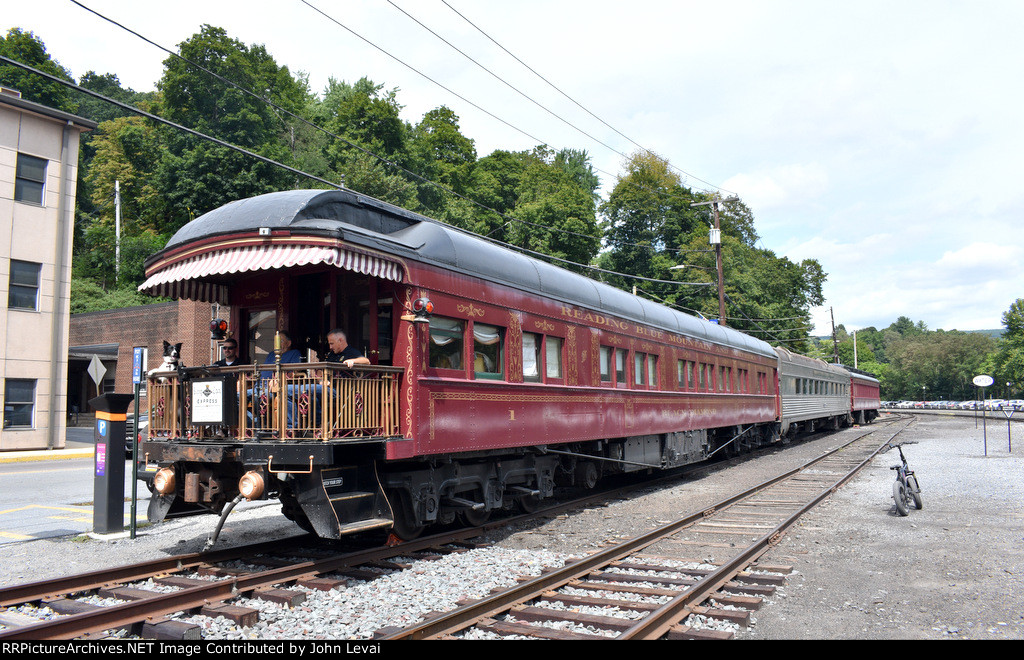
[865,396]
[494,376]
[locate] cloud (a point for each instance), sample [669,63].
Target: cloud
[780,186]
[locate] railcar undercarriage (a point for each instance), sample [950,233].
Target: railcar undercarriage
[340,488]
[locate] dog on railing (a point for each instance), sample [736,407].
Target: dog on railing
[171,363]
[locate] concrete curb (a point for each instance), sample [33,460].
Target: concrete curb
[45,455]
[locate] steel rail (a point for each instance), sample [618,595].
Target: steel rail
[462,617]
[115,616]
[658,622]
[33,591]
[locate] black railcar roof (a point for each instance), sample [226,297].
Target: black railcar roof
[371,223]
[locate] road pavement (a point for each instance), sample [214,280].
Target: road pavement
[49,493]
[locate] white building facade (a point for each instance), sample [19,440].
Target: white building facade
[38,175]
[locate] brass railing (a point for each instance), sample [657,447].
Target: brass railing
[318,401]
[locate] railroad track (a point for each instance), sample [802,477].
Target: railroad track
[207,582]
[657,593]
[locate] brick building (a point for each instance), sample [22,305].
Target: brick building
[113,335]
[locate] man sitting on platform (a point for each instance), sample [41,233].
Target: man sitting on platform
[340,353]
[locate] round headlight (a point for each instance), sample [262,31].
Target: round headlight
[251,485]
[163,481]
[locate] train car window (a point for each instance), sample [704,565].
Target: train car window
[553,356]
[531,356]
[445,351]
[652,370]
[639,362]
[620,366]
[681,374]
[689,375]
[606,364]
[488,353]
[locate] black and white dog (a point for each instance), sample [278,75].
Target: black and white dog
[172,353]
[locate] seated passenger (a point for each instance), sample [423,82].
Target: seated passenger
[340,353]
[289,355]
[266,387]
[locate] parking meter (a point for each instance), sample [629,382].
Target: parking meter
[108,464]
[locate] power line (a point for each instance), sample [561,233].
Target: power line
[166,122]
[340,138]
[270,161]
[508,84]
[574,101]
[460,96]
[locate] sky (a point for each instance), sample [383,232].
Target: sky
[881,138]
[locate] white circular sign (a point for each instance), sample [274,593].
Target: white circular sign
[983,381]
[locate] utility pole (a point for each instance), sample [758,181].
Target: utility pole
[835,340]
[117,231]
[715,238]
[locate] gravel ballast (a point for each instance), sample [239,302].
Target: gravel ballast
[951,570]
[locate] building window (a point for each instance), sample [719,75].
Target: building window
[24,285]
[29,179]
[445,343]
[487,351]
[19,402]
[553,352]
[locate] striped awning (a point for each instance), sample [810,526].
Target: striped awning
[184,279]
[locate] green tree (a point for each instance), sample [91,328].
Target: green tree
[647,212]
[27,48]
[374,139]
[197,175]
[1008,361]
[540,206]
[443,155]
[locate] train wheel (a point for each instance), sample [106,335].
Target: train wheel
[292,511]
[474,517]
[405,529]
[406,526]
[528,503]
[586,475]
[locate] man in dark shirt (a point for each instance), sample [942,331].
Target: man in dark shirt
[341,351]
[230,352]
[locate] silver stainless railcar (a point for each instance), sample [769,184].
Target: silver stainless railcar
[814,394]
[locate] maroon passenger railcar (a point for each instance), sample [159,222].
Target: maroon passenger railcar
[494,376]
[865,396]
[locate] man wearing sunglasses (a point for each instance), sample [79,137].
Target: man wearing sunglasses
[230,352]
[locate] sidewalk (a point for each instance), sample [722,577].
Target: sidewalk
[46,454]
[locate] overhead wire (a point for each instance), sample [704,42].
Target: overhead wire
[462,97]
[384,160]
[319,179]
[571,99]
[270,161]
